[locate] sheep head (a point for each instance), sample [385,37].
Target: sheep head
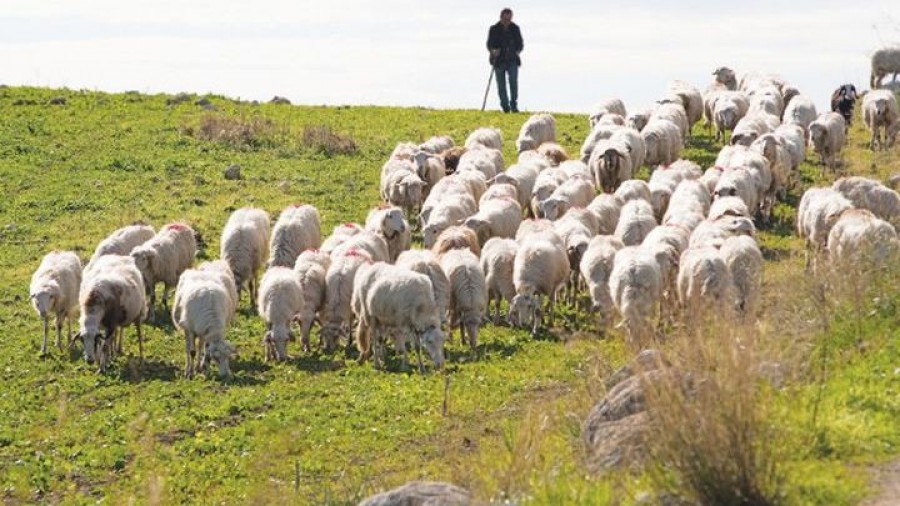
[44,299]
[221,351]
[553,208]
[433,341]
[145,260]
[524,308]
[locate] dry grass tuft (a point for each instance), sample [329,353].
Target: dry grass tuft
[323,139]
[238,132]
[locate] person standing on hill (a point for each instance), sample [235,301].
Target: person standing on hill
[504,44]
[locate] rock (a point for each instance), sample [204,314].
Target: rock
[894,181]
[57,101]
[178,99]
[233,172]
[617,443]
[279,100]
[647,360]
[284,186]
[421,493]
[203,102]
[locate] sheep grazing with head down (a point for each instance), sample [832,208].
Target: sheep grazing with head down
[163,258]
[574,192]
[112,296]
[744,260]
[497,258]
[456,237]
[485,137]
[122,241]
[635,284]
[704,282]
[595,268]
[522,176]
[635,222]
[663,141]
[607,208]
[402,186]
[297,229]
[203,309]
[468,293]
[280,301]
[536,130]
[54,291]
[540,269]
[336,314]
[245,246]
[311,268]
[861,240]
[496,218]
[425,262]
[392,226]
[870,194]
[488,161]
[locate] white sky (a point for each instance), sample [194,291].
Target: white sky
[432,54]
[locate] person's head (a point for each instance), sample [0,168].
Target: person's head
[506,16]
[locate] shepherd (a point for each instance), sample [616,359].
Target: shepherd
[504,45]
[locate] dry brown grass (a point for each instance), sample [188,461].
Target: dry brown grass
[323,139]
[238,132]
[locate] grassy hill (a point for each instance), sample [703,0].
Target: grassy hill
[320,428]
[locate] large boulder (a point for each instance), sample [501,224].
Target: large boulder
[421,493]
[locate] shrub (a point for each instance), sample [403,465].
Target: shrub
[322,139]
[237,132]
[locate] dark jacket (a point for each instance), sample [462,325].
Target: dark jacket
[508,40]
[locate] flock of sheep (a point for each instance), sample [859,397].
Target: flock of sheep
[681,243]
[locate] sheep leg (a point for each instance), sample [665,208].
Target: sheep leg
[462,329]
[69,327]
[46,331]
[59,326]
[305,328]
[473,334]
[189,355]
[120,341]
[551,306]
[140,341]
[419,353]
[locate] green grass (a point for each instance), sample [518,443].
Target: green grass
[320,428]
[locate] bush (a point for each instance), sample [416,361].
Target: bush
[237,132]
[322,139]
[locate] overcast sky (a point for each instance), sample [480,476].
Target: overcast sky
[395,52]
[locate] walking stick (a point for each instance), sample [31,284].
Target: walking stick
[486,90]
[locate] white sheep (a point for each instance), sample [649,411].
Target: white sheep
[402,186]
[280,301]
[431,168]
[112,296]
[880,113]
[663,141]
[219,270]
[336,313]
[704,282]
[496,218]
[753,125]
[691,100]
[639,119]
[610,164]
[744,260]
[633,189]
[599,132]
[297,229]
[122,241]
[445,214]
[884,61]
[635,221]
[818,211]
[712,233]
[468,293]
[391,225]
[635,285]
[575,236]
[605,107]
[437,144]
[607,208]
[541,268]
[574,192]
[245,246]
[163,258]
[870,194]
[522,176]
[456,237]
[312,268]
[773,149]
[728,110]
[859,239]
[485,137]
[373,243]
[202,309]
[445,189]
[728,206]
[767,99]
[533,229]
[801,111]
[499,191]
[339,235]
[690,196]
[536,130]
[54,291]
[673,111]
[485,160]
[425,262]
[497,259]
[827,136]
[595,267]
[794,139]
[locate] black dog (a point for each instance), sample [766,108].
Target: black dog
[842,101]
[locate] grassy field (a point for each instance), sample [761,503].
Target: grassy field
[321,429]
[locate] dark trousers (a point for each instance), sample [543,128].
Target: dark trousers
[501,70]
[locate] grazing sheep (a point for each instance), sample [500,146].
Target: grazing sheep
[870,194]
[401,185]
[522,177]
[245,246]
[497,259]
[553,152]
[690,196]
[475,182]
[487,161]
[801,110]
[767,99]
[496,218]
[595,267]
[663,141]
[447,213]
[220,271]
[163,258]
[610,106]
[585,217]
[336,314]
[600,132]
[728,206]
[54,291]
[485,137]
[704,282]
[280,301]
[500,191]
[456,237]
[535,158]
[312,270]
[843,100]
[203,308]
[771,147]
[122,241]
[339,235]
[575,169]
[112,296]
[740,182]
[607,208]
[884,61]
[540,268]
[574,192]
[880,112]
[635,222]
[425,262]
[672,110]
[745,264]
[794,139]
[633,189]
[751,126]
[635,284]
[691,100]
[530,230]
[297,229]
[536,130]
[437,144]
[575,236]
[827,135]
[546,183]
[446,189]
[468,293]
[391,225]
[713,232]
[370,242]
[431,169]
[859,239]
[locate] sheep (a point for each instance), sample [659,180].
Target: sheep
[535,158]
[447,188]
[861,239]
[843,100]
[690,196]
[635,285]
[468,293]
[607,208]
[752,126]
[163,258]
[437,144]
[425,262]
[456,237]
[728,110]
[595,267]
[585,217]
[394,300]
[639,119]
[632,140]
[546,183]
[540,269]
[663,141]
[635,222]
[54,290]
[536,130]
[496,218]
[633,189]
[704,281]
[446,214]
[112,296]
[553,152]
[497,259]
[401,185]
[475,181]
[373,243]
[740,182]
[280,301]
[745,264]
[487,161]
[601,131]
[297,229]
[202,310]
[575,192]
[391,225]
[711,233]
[880,112]
[451,158]
[575,236]
[771,147]
[575,168]
[610,106]
[827,135]
[870,194]
[312,270]
[691,100]
[530,230]
[767,99]
[485,137]
[245,245]
[726,77]
[794,139]
[672,110]
[728,206]
[336,314]
[801,110]
[339,235]
[122,241]
[884,61]
[522,176]
[430,169]
[499,191]
[219,270]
